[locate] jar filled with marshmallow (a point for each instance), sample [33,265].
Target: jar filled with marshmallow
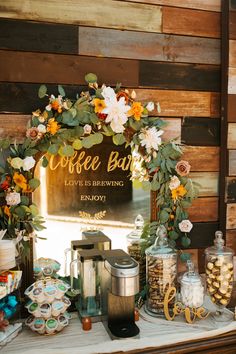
[191,287]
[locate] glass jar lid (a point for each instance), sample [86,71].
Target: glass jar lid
[191,276]
[219,247]
[138,228]
[161,245]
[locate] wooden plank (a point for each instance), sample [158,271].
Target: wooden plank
[172,130]
[202,158]
[232,24]
[231,136]
[13,126]
[203,234]
[232,162]
[230,190]
[65,69]
[231,239]
[215,105]
[211,5]
[106,13]
[208,181]
[232,81]
[200,131]
[204,209]
[126,44]
[179,76]
[232,53]
[32,36]
[182,103]
[191,22]
[231,216]
[232,108]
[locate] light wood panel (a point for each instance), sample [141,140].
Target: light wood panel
[148,46]
[191,22]
[211,5]
[105,13]
[202,158]
[172,130]
[208,181]
[232,136]
[232,53]
[204,209]
[232,162]
[182,103]
[231,239]
[231,216]
[232,81]
[13,126]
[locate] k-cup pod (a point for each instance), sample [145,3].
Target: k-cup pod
[45,310]
[62,322]
[29,290]
[61,290]
[58,307]
[50,293]
[30,321]
[38,295]
[47,271]
[51,325]
[39,325]
[66,302]
[34,309]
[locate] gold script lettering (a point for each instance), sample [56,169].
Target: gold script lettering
[77,162]
[115,162]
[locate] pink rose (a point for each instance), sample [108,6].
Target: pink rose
[185,226]
[182,168]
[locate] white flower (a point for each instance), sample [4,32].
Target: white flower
[150,138]
[133,95]
[174,183]
[28,163]
[185,226]
[150,106]
[109,94]
[87,129]
[16,162]
[116,113]
[41,128]
[13,198]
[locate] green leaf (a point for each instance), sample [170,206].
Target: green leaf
[173,235]
[97,138]
[184,257]
[20,211]
[53,149]
[42,91]
[155,185]
[91,78]
[87,142]
[118,139]
[164,216]
[185,241]
[146,185]
[45,162]
[61,90]
[107,130]
[34,210]
[67,150]
[24,200]
[77,144]
[34,183]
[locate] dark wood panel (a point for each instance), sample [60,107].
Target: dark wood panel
[232,24]
[231,239]
[231,189]
[179,76]
[202,158]
[230,216]
[232,107]
[39,37]
[191,22]
[148,46]
[65,69]
[215,105]
[13,126]
[204,209]
[202,234]
[201,131]
[232,162]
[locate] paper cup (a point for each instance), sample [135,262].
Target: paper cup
[58,307]
[38,295]
[61,290]
[50,293]
[45,310]
[39,325]
[29,290]
[62,322]
[66,302]
[34,309]
[30,321]
[51,325]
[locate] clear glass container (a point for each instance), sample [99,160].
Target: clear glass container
[219,273]
[161,264]
[191,287]
[135,249]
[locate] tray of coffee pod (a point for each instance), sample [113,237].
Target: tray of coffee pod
[47,305]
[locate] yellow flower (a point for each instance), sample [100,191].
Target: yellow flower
[20,180]
[178,192]
[99,105]
[6,210]
[136,110]
[53,126]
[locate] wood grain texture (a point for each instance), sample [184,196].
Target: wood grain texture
[191,22]
[39,37]
[232,53]
[232,80]
[172,130]
[232,24]
[211,5]
[232,162]
[204,209]
[215,105]
[231,239]
[148,46]
[106,13]
[179,76]
[182,103]
[231,216]
[208,181]
[231,136]
[202,158]
[202,234]
[231,189]
[65,69]
[13,126]
[200,131]
[232,108]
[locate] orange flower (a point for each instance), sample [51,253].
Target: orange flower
[6,210]
[178,192]
[136,110]
[53,126]
[55,104]
[6,183]
[99,105]
[20,180]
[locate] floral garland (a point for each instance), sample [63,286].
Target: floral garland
[65,126]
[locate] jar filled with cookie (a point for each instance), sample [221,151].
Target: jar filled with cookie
[219,275]
[161,264]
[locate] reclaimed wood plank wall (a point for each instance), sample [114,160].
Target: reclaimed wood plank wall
[168,50]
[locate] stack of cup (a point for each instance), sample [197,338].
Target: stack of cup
[7,254]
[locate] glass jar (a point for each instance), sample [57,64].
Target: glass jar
[219,272]
[161,264]
[191,287]
[135,249]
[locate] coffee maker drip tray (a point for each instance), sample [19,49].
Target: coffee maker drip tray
[123,330]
